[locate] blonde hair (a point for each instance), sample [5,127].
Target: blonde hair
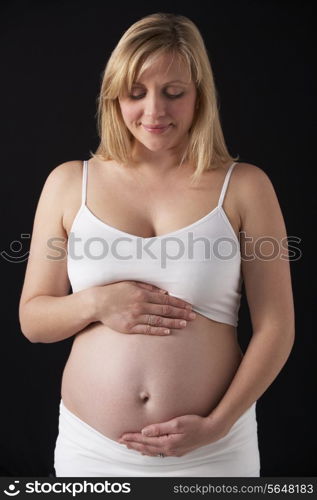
[145,41]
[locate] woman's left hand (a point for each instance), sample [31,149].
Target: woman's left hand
[175,437]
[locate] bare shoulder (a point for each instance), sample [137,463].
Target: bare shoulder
[257,202]
[247,173]
[252,186]
[62,189]
[63,181]
[65,172]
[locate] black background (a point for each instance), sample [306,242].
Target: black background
[52,55]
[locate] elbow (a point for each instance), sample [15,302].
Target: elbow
[28,333]
[290,332]
[288,341]
[26,326]
[292,337]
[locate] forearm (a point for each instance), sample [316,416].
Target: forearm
[263,360]
[51,319]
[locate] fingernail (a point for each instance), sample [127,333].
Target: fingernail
[183,323]
[146,432]
[192,315]
[188,306]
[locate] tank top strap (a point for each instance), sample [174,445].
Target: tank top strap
[225,185]
[84,183]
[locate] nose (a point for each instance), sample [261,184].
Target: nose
[154,105]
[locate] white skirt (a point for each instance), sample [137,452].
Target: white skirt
[82,451]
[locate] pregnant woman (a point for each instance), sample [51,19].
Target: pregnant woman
[148,234]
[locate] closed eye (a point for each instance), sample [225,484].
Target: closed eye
[170,96]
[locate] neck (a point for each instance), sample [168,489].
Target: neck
[158,164]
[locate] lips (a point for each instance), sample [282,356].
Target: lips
[155,129]
[154,126]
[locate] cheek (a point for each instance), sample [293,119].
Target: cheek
[185,111]
[129,113]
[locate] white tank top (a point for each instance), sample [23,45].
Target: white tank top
[199,263]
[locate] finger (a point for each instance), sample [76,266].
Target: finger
[167,311]
[167,428]
[157,442]
[145,329]
[146,450]
[166,299]
[150,287]
[161,321]
[168,317]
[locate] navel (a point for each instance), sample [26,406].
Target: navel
[144,396]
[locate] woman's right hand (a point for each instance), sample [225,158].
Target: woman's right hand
[137,307]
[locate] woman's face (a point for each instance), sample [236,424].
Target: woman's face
[163,96]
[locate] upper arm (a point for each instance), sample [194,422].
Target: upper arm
[46,271]
[264,252]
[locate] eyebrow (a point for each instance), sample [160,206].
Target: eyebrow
[166,83]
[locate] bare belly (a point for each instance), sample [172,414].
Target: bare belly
[120,383]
